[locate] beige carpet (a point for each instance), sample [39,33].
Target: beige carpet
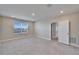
[36,46]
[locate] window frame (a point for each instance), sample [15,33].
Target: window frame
[20,21]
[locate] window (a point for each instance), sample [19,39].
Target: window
[20,26]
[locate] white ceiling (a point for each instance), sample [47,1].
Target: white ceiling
[42,11]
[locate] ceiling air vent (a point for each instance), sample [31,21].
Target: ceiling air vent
[49,5]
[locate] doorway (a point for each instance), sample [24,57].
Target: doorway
[54,31]
[60,31]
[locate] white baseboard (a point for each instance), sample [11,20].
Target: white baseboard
[10,39]
[5,40]
[43,37]
[75,45]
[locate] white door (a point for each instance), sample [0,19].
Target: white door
[63,32]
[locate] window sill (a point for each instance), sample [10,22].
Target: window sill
[20,33]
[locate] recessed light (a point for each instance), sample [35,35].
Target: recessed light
[61,11]
[33,14]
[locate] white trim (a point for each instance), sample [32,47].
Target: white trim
[23,37]
[43,37]
[10,39]
[75,45]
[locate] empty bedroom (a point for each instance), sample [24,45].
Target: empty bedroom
[39,29]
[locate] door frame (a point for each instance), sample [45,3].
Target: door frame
[51,28]
[69,30]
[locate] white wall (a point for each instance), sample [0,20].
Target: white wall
[43,30]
